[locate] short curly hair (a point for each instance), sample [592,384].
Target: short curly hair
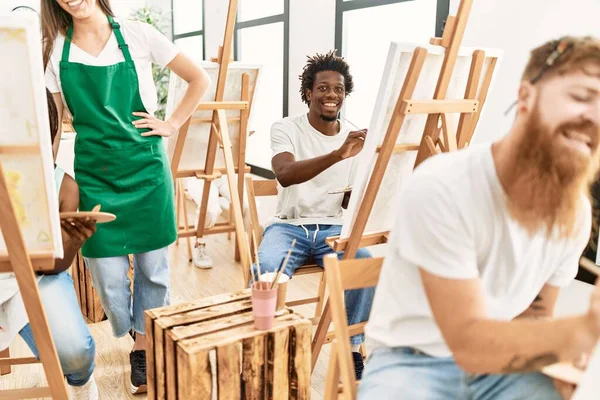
[324,62]
[581,50]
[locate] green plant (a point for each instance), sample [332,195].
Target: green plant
[158,20]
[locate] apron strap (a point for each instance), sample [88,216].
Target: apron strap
[122,45]
[116,29]
[67,44]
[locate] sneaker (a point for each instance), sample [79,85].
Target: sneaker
[201,257]
[359,365]
[89,391]
[137,359]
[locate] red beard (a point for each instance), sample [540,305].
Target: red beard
[550,179]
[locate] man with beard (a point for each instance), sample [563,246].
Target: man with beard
[312,156]
[485,237]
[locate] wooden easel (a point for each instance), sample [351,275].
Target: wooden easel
[23,265]
[439,136]
[219,136]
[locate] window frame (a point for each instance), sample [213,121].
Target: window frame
[184,35]
[271,19]
[341,6]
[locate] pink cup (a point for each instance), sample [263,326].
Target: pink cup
[264,301]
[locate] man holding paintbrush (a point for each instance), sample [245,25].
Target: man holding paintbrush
[312,161]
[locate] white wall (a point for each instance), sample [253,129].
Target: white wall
[312,30]
[214,20]
[517,26]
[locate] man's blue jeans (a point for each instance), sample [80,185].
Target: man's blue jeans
[310,245]
[405,373]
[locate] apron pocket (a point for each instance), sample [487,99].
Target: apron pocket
[122,170]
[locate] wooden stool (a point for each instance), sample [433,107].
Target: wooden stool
[189,345]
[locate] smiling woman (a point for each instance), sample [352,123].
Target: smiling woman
[88,53]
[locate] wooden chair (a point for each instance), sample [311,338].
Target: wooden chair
[341,276]
[261,188]
[5,369]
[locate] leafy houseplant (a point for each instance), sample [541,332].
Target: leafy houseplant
[158,20]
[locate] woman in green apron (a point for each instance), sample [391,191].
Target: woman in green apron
[100,69]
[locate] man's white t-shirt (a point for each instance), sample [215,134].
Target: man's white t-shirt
[453,222]
[146,44]
[309,202]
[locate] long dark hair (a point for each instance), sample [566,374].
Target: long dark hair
[55,20]
[52,115]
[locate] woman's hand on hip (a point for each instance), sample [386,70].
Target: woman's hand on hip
[157,126]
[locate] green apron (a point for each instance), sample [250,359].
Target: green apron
[116,167]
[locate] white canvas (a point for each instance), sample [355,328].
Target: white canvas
[196,143]
[24,122]
[401,164]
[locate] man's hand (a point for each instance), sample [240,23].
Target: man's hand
[78,230]
[353,144]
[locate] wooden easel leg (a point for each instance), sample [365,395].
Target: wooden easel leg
[203,209]
[321,333]
[5,369]
[465,139]
[23,270]
[177,208]
[242,150]
[235,196]
[363,350]
[332,379]
[321,295]
[185,217]
[230,223]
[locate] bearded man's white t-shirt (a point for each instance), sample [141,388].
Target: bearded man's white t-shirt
[454,223]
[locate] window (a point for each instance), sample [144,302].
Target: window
[188,27]
[364,29]
[261,37]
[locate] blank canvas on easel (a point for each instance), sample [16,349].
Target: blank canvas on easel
[25,135]
[195,148]
[401,164]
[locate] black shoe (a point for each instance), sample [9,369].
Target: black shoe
[359,365]
[137,359]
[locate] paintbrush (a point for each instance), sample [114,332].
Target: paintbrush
[251,267]
[275,282]
[256,255]
[357,128]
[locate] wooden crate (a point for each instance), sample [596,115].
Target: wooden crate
[210,345]
[89,302]
[88,299]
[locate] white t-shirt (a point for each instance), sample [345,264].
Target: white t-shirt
[309,202]
[453,222]
[146,44]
